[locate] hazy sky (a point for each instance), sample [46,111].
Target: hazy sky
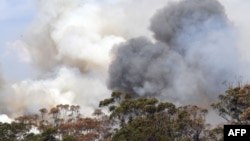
[15,16]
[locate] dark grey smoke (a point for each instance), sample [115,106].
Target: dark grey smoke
[191,57]
[140,63]
[187,16]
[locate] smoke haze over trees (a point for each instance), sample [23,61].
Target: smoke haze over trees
[129,118]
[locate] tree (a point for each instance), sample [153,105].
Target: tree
[234,105]
[215,134]
[5,132]
[131,118]
[69,138]
[49,134]
[191,122]
[43,111]
[33,137]
[14,131]
[148,119]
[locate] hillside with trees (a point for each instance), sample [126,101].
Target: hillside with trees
[124,118]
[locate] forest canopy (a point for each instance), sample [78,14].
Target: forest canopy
[131,119]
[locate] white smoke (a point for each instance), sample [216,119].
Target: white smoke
[69,33]
[5,119]
[69,44]
[235,11]
[67,86]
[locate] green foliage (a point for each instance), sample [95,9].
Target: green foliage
[69,138]
[116,95]
[106,102]
[5,132]
[234,105]
[49,134]
[148,119]
[215,134]
[13,130]
[33,137]
[141,129]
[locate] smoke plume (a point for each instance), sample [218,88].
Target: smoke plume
[1,81]
[68,44]
[69,33]
[81,50]
[191,56]
[2,92]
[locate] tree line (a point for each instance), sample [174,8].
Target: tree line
[125,118]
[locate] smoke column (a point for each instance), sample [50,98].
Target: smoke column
[2,92]
[193,53]
[68,44]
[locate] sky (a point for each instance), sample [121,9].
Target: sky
[44,67]
[15,17]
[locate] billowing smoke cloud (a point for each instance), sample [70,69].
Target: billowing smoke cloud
[5,119]
[191,52]
[69,44]
[68,86]
[69,33]
[194,52]
[80,33]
